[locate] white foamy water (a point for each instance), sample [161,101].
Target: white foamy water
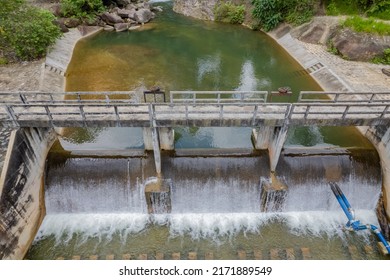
[197,226]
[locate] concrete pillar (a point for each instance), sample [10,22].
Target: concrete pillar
[278,138]
[158,195]
[261,137]
[272,195]
[156,150]
[166,138]
[148,139]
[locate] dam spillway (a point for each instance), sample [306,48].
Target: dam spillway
[97,206]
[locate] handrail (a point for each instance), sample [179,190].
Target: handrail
[218,96]
[203,114]
[342,97]
[36,97]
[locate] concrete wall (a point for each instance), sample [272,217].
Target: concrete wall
[380,137]
[21,190]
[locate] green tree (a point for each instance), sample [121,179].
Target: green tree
[26,30]
[271,12]
[81,8]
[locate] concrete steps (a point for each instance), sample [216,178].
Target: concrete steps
[351,252]
[272,254]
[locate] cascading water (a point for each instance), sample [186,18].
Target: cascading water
[215,202]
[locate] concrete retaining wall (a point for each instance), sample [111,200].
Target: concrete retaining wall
[21,190]
[380,137]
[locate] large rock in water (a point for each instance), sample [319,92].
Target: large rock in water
[201,9]
[119,27]
[359,46]
[143,16]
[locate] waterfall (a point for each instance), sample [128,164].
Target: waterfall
[211,197]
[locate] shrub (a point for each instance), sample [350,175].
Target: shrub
[385,59]
[375,8]
[271,12]
[229,13]
[380,9]
[28,31]
[81,8]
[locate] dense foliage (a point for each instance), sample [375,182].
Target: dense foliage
[374,8]
[81,8]
[229,13]
[271,12]
[26,31]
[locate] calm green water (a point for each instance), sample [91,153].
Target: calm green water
[180,53]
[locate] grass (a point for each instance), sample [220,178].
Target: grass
[367,25]
[342,7]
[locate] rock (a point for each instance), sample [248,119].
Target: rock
[135,27]
[143,16]
[195,8]
[111,18]
[72,22]
[386,71]
[131,7]
[157,9]
[317,31]
[56,10]
[359,46]
[123,13]
[119,27]
[108,28]
[60,23]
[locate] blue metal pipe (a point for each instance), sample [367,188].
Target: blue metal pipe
[352,223]
[381,237]
[342,201]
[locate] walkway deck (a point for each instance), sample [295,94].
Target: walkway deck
[108,110]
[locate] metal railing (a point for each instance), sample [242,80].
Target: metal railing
[337,97]
[204,114]
[218,96]
[31,98]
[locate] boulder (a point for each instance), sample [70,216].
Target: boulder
[60,23]
[72,22]
[359,46]
[111,18]
[134,27]
[108,28]
[56,10]
[157,9]
[131,7]
[123,13]
[143,16]
[119,27]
